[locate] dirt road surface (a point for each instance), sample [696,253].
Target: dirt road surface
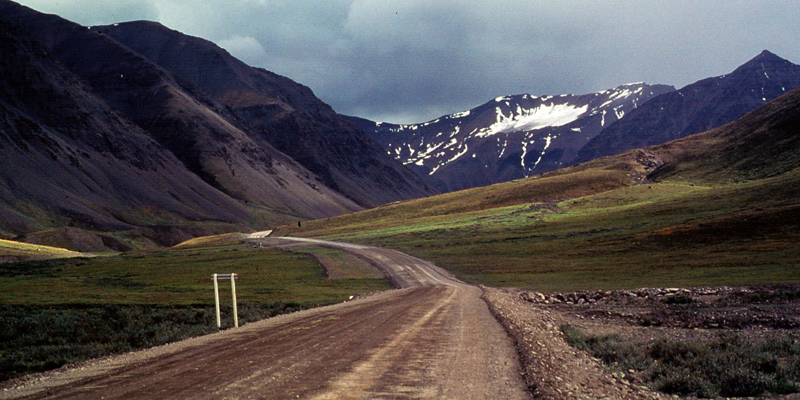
[432,339]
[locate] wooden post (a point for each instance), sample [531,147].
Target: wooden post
[216,299]
[235,309]
[232,277]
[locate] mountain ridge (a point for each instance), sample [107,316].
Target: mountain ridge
[68,158]
[564,130]
[134,146]
[279,111]
[758,145]
[509,137]
[697,107]
[183,120]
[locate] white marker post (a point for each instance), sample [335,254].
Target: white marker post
[232,277]
[216,299]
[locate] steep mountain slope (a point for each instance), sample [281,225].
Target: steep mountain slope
[761,144]
[68,158]
[510,137]
[280,111]
[199,131]
[703,105]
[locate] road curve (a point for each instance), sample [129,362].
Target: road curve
[402,269]
[432,339]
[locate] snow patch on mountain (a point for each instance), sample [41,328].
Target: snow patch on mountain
[545,115]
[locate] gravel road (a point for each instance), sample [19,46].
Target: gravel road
[433,338]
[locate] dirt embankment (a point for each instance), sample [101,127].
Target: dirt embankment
[552,368]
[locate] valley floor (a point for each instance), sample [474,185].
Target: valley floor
[435,338]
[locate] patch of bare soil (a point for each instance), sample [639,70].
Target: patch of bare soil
[556,370]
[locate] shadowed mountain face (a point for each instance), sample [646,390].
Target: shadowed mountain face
[200,132]
[760,144]
[508,138]
[95,133]
[703,105]
[274,109]
[67,157]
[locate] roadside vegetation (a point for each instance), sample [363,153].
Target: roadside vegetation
[40,338]
[61,311]
[741,342]
[729,365]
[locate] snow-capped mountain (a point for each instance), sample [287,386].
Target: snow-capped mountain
[509,137]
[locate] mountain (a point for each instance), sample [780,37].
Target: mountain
[698,107]
[509,137]
[274,109]
[761,144]
[69,158]
[745,174]
[201,133]
[723,203]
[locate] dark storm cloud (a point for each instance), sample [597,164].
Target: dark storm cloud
[410,61]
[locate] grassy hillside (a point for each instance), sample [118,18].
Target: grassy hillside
[16,251]
[725,210]
[178,277]
[760,144]
[659,234]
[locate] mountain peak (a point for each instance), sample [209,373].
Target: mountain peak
[698,107]
[765,60]
[508,137]
[766,54]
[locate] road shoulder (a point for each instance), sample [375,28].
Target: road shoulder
[552,369]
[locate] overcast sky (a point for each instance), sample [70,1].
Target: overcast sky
[412,60]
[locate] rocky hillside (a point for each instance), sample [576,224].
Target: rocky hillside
[274,109]
[69,158]
[509,137]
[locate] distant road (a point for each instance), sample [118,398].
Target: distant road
[432,339]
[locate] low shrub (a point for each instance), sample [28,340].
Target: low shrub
[36,338]
[728,365]
[611,349]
